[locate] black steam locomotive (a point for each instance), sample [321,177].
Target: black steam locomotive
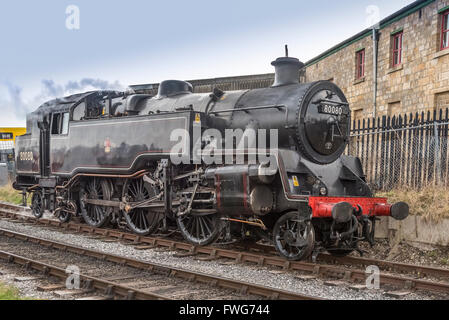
[264,163]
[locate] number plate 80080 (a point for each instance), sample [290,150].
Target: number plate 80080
[329,109]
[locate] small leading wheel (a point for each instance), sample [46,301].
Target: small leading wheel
[37,204]
[200,229]
[64,216]
[95,215]
[293,237]
[141,221]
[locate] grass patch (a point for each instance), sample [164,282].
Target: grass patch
[9,293]
[10,195]
[431,203]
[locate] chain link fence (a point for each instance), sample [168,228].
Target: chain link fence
[403,151]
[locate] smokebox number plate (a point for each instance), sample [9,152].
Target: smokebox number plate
[329,109]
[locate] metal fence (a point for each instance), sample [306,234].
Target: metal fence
[6,161]
[6,145]
[403,151]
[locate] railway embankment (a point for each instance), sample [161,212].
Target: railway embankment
[415,230]
[428,223]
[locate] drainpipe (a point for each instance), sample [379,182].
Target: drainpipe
[375,53]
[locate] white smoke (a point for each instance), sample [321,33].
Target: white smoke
[14,107]
[51,89]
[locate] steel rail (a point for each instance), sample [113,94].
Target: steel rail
[109,288]
[388,265]
[361,261]
[353,275]
[193,276]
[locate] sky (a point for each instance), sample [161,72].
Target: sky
[45,53]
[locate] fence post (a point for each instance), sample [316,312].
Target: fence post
[437,153]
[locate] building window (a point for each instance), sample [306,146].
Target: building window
[445,30]
[442,101]
[394,108]
[360,64]
[357,116]
[396,53]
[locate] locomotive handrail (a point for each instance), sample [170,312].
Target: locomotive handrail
[319,101]
[246,110]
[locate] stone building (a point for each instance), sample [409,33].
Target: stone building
[412,63]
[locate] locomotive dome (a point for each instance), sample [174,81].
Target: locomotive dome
[170,88]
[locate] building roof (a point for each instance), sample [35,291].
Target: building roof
[404,12]
[210,81]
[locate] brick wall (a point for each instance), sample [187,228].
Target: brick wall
[420,83]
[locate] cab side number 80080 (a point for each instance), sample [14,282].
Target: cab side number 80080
[26,156]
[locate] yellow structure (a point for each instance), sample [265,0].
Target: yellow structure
[10,134]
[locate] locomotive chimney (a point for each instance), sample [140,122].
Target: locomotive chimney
[286,70]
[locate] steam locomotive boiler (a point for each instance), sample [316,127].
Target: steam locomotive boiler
[264,163]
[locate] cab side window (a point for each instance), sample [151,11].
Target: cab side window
[65,123]
[56,123]
[60,123]
[79,112]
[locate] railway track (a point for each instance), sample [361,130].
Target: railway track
[338,269]
[105,271]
